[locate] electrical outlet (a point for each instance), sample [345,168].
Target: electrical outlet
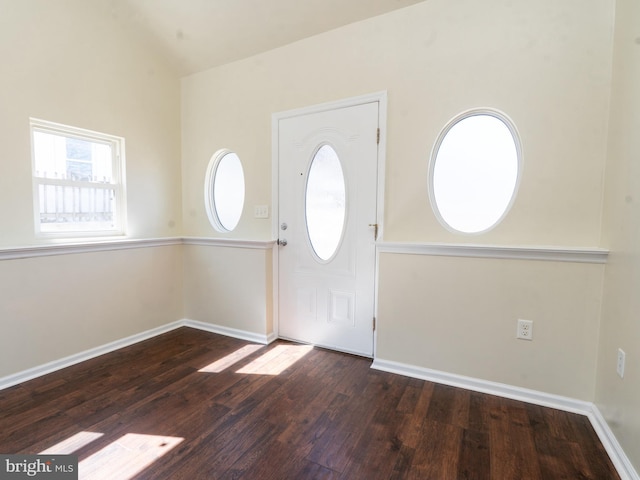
[525,330]
[620,364]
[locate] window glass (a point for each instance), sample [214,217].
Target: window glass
[224,190]
[325,202]
[474,171]
[78,184]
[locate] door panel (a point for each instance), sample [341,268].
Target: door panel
[327,297]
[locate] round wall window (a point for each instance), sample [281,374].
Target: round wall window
[475,171]
[224,190]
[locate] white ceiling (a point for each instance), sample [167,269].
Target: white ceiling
[200,34]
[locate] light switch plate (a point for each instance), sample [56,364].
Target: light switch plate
[261,211]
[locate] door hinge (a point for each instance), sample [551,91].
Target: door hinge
[374,324]
[375,232]
[378,137]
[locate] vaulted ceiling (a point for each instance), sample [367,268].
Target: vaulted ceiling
[200,34]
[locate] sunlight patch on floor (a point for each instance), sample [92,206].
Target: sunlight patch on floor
[276,360]
[72,444]
[126,457]
[231,359]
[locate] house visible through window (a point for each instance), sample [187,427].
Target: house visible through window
[78,181]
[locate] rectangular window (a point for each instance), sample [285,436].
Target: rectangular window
[78,181]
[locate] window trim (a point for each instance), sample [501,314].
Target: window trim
[504,118]
[209,190]
[118,183]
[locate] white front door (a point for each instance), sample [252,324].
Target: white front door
[327,174]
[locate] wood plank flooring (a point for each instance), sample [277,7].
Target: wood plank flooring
[147,412]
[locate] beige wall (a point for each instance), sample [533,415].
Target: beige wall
[458,315]
[229,287]
[56,306]
[546,64]
[619,399]
[71,62]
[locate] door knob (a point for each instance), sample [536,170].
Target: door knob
[282,242]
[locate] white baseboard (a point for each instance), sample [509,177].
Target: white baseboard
[610,443]
[612,446]
[272,337]
[31,373]
[230,332]
[493,388]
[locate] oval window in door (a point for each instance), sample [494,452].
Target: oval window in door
[325,203]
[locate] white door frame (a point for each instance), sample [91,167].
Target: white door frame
[381,98]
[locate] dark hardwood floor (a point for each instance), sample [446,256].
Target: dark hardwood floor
[147,412]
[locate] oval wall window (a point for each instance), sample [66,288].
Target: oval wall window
[224,190]
[325,203]
[475,171]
